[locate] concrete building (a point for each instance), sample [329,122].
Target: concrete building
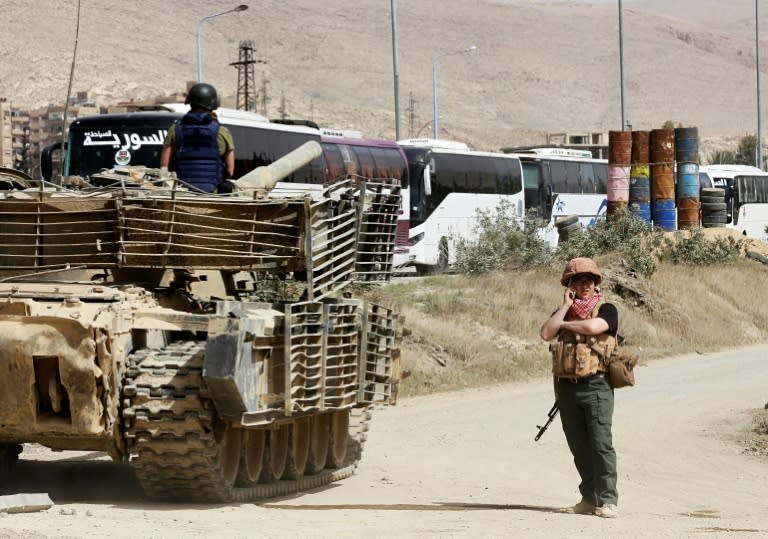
[6,134]
[597,143]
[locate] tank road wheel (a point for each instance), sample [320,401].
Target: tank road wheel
[337,447]
[276,457]
[298,450]
[180,448]
[318,444]
[252,459]
[230,441]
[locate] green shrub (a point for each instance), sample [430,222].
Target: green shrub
[502,242]
[695,249]
[623,234]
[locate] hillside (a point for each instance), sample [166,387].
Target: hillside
[538,67]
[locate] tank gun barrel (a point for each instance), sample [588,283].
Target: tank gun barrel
[265,178]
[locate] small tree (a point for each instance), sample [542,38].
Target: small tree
[722,157]
[747,151]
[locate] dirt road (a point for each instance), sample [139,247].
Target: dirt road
[465,465]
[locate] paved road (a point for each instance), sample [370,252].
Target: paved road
[465,465]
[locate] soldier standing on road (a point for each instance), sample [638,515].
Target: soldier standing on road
[200,150]
[585,326]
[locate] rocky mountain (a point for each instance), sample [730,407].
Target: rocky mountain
[539,66]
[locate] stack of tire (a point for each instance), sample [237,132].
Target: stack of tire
[567,226]
[713,208]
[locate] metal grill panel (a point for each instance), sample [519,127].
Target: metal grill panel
[380,352]
[377,229]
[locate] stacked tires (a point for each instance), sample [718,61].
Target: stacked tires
[567,226]
[713,208]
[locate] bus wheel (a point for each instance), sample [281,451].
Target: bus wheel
[442,256]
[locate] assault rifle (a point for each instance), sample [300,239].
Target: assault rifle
[550,417]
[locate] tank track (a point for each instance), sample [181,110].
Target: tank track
[171,432]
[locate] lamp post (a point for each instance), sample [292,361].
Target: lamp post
[759,142]
[241,7]
[437,58]
[621,65]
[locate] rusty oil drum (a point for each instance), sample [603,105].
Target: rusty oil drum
[662,164]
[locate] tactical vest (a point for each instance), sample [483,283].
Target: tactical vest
[577,356]
[198,162]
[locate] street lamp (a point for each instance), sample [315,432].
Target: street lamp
[437,58]
[241,7]
[621,64]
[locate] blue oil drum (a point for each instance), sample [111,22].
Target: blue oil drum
[687,186]
[687,144]
[639,189]
[641,210]
[664,214]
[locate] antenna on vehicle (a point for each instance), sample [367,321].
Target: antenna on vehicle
[69,85]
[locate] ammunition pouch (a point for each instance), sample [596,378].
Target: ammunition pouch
[579,356]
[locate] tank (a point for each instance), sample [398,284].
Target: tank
[211,342]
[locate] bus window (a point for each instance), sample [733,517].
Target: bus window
[532,181]
[572,177]
[386,161]
[558,175]
[508,178]
[601,176]
[586,178]
[260,147]
[334,160]
[367,167]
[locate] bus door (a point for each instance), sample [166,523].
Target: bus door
[750,216]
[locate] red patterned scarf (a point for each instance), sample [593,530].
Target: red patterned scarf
[582,308]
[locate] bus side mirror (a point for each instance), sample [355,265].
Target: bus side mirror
[46,160]
[427,181]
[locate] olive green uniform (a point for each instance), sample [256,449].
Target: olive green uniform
[586,413]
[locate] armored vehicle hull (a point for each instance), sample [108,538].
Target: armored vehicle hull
[211,342]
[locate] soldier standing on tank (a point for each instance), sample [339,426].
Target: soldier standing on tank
[200,149]
[586,402]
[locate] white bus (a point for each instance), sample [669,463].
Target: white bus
[560,182]
[449,183]
[113,141]
[746,197]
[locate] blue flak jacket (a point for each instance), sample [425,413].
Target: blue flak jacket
[198,162]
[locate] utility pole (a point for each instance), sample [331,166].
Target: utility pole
[395,67]
[621,65]
[263,95]
[283,109]
[246,79]
[411,110]
[759,145]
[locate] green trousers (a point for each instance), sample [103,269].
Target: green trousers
[586,412]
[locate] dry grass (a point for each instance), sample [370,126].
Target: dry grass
[473,331]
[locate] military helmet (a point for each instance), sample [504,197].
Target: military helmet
[579,266]
[204,96]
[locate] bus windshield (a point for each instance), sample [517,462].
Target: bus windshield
[115,140]
[112,141]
